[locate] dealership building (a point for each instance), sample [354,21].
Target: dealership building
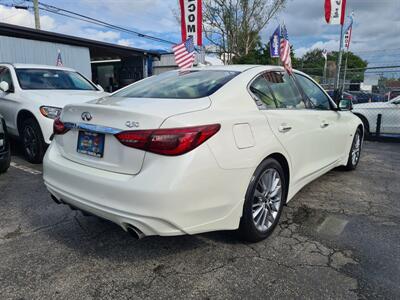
[110,65]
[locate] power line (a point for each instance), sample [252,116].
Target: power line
[84,18]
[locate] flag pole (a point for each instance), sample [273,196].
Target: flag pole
[345,71]
[339,63]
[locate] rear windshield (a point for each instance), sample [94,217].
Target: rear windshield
[45,79]
[179,85]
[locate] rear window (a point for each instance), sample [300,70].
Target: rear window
[179,85]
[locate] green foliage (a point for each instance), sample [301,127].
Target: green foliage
[261,56]
[313,62]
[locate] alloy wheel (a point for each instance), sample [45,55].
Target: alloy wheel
[30,141]
[267,199]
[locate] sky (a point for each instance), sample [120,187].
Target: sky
[376,31]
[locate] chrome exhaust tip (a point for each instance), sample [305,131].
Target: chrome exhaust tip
[134,232]
[56,200]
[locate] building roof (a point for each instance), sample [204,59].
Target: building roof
[47,36]
[393,84]
[36,66]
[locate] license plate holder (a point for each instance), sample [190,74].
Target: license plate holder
[91,143]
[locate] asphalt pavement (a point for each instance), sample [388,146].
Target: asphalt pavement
[338,238]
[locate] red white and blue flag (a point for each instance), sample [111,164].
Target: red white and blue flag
[59,62]
[184,54]
[347,34]
[285,50]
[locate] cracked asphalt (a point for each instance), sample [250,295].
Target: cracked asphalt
[339,238]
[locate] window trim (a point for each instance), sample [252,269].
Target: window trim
[254,97]
[332,104]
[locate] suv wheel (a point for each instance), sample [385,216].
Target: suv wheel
[33,142]
[264,201]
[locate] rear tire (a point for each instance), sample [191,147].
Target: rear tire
[355,151]
[32,141]
[264,201]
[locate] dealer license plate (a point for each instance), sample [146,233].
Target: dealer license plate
[91,143]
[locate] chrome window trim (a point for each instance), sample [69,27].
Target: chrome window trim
[92,128]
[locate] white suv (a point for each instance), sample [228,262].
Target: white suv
[32,96]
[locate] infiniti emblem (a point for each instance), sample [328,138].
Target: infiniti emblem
[86,116]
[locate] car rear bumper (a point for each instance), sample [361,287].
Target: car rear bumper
[186,194]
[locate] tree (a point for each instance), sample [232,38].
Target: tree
[233,26]
[261,55]
[313,62]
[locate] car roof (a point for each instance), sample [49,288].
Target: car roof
[236,68]
[36,66]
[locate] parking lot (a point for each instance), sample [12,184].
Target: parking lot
[338,238]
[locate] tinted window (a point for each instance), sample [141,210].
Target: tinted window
[317,97]
[179,85]
[260,89]
[285,90]
[5,75]
[41,79]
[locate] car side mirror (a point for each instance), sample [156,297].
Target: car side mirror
[100,87]
[346,104]
[4,86]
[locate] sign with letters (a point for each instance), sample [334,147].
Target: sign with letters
[191,20]
[335,11]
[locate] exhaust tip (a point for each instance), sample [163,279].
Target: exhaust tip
[56,200]
[134,232]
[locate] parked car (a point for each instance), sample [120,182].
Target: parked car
[390,111]
[212,148]
[32,96]
[5,155]
[345,96]
[392,94]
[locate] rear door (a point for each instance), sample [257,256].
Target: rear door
[296,127]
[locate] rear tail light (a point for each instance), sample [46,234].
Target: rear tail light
[171,141]
[59,127]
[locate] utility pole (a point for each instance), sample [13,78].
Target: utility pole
[36,12]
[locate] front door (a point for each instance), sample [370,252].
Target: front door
[8,101]
[333,133]
[391,117]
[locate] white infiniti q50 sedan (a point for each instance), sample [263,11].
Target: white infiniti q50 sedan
[215,148]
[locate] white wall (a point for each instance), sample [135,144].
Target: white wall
[17,50]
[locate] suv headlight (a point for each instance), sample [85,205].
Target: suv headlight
[50,111]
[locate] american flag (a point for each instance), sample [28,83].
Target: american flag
[59,62]
[184,54]
[285,50]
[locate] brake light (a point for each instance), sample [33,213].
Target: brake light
[170,141]
[59,127]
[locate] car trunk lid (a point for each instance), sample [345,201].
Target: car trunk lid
[107,116]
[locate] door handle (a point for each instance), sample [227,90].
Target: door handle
[284,128]
[324,124]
